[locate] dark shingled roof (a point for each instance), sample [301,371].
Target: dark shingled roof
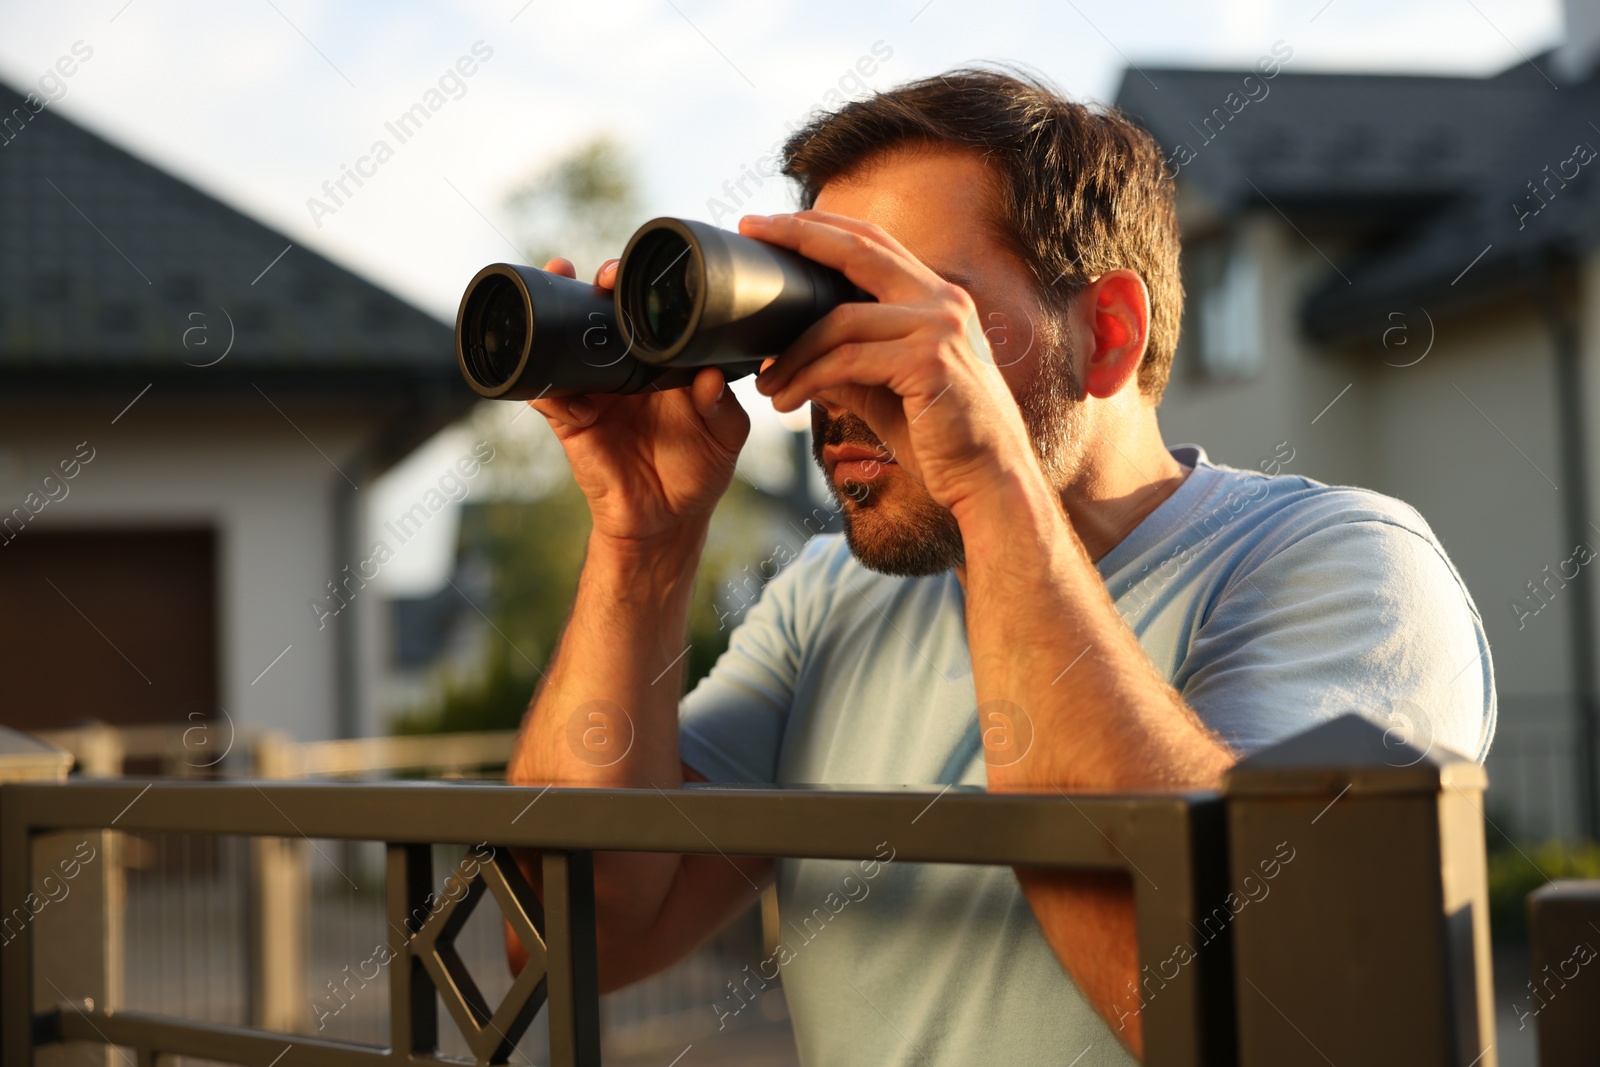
[104,258]
[1505,232]
[1433,164]
[1312,137]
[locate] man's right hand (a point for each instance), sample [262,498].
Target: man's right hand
[653,465]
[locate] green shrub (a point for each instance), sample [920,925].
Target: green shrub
[1515,871]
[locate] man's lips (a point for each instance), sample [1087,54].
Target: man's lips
[855,463]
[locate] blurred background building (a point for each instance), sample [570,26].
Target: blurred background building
[189,410]
[1397,277]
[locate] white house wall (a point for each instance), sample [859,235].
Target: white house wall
[266,491]
[1468,437]
[1480,478]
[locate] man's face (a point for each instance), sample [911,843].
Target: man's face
[937,204]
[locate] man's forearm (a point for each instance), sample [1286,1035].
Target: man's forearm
[606,713]
[1045,636]
[1047,641]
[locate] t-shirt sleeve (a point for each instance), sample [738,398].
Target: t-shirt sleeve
[731,726]
[1365,616]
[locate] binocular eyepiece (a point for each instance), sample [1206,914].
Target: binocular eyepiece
[688,295]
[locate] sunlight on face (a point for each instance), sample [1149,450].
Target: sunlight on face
[937,203]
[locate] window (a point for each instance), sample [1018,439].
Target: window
[1227,310]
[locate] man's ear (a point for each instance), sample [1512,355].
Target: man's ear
[1119,308]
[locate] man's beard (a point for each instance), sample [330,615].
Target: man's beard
[908,534]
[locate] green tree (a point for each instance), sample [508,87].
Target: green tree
[583,206]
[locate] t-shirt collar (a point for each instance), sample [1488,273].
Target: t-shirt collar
[1168,515]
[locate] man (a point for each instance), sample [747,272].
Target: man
[1020,548]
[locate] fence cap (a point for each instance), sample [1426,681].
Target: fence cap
[1567,890]
[1353,752]
[28,759]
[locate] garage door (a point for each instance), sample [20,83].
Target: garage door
[115,625]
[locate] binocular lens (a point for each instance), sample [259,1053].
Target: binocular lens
[498,331]
[691,295]
[667,298]
[688,295]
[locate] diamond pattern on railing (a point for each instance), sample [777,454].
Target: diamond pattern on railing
[492,1034]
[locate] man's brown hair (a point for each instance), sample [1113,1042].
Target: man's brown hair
[1082,190]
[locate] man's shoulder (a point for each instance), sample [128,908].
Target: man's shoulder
[1354,590]
[1289,507]
[1256,526]
[1308,530]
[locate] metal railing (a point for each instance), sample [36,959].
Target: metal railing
[198,750]
[1328,905]
[275,914]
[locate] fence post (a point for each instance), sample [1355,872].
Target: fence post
[1359,902]
[78,936]
[569,937]
[100,751]
[280,908]
[413,1003]
[73,911]
[1564,934]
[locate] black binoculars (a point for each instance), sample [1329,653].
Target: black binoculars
[688,295]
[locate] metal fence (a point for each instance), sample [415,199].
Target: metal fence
[1536,766]
[1372,946]
[260,932]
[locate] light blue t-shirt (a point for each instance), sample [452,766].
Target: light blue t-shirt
[1270,603]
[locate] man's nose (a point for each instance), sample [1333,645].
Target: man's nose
[831,410]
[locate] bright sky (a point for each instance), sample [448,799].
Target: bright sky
[262,101]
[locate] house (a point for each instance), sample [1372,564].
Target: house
[1394,280]
[192,408]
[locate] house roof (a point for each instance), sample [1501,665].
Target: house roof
[1540,202]
[1434,170]
[107,261]
[1305,138]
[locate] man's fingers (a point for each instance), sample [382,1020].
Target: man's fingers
[868,364]
[871,231]
[889,275]
[842,325]
[605,277]
[575,412]
[725,418]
